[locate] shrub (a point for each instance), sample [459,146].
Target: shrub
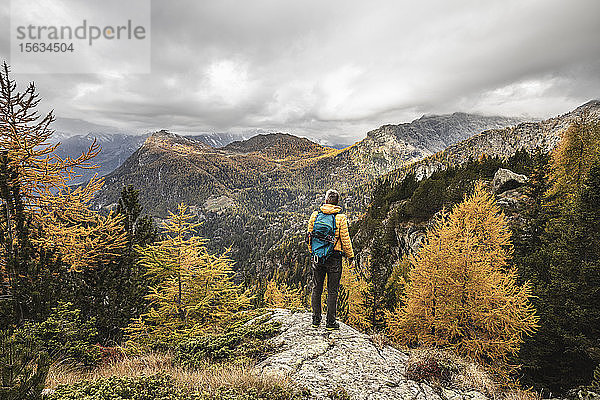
[23,368]
[65,335]
[153,387]
[164,387]
[443,367]
[428,369]
[241,342]
[338,394]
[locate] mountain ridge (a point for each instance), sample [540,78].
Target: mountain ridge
[393,146]
[277,146]
[504,142]
[279,160]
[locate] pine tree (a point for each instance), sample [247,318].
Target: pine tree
[23,367]
[564,265]
[194,291]
[460,293]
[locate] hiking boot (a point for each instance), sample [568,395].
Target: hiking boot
[316,322]
[333,327]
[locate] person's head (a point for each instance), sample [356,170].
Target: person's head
[332,197]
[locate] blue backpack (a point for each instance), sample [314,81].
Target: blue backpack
[322,237]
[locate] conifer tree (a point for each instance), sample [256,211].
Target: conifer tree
[565,266]
[280,295]
[23,367]
[460,293]
[351,306]
[46,222]
[572,159]
[193,290]
[113,293]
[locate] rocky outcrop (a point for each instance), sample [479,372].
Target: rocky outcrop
[503,143]
[392,146]
[323,362]
[505,179]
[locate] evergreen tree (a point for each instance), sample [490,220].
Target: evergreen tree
[563,262]
[23,367]
[17,250]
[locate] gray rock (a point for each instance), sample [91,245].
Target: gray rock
[505,179]
[323,361]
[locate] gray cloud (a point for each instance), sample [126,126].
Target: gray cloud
[333,70]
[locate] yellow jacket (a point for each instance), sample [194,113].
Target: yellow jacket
[343,242]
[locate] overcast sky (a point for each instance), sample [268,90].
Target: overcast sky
[332,70]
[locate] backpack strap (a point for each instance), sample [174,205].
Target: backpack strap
[334,220]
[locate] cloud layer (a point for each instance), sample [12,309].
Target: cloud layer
[333,70]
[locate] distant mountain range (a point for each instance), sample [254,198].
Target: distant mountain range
[502,142]
[392,146]
[170,168]
[118,147]
[255,194]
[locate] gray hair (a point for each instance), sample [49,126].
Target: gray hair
[332,197]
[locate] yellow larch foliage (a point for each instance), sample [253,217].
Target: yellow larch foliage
[460,292]
[572,159]
[280,295]
[352,307]
[60,214]
[194,291]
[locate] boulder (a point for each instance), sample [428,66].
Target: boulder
[324,362]
[505,179]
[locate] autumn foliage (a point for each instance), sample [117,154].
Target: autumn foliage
[43,220]
[281,295]
[460,292]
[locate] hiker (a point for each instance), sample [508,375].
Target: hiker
[328,240]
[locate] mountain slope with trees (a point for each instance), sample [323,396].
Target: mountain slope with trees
[553,222]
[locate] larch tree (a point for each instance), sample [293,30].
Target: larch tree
[280,295]
[572,159]
[37,201]
[351,306]
[193,291]
[460,292]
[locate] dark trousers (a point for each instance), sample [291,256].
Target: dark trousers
[332,268]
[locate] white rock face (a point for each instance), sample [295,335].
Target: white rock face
[504,176]
[323,361]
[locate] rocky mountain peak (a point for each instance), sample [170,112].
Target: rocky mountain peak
[591,106]
[324,361]
[162,133]
[392,146]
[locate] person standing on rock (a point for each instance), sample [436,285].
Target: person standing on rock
[328,239]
